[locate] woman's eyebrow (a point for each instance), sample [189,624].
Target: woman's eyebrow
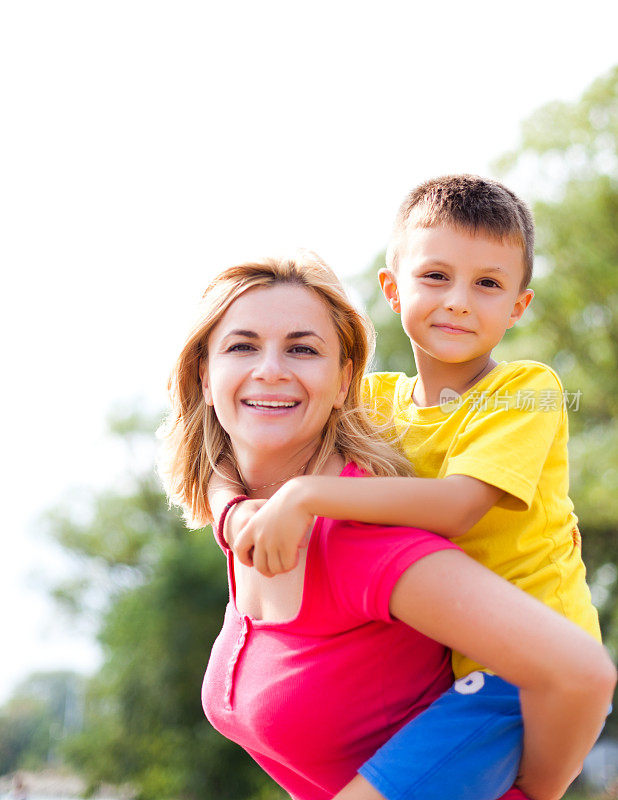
[253,335]
[239,332]
[301,334]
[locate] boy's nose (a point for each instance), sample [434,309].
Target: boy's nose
[457,300]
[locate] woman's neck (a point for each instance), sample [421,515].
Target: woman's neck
[263,474]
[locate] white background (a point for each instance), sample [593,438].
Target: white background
[144,145]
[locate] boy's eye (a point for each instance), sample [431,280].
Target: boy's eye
[435,276]
[489,283]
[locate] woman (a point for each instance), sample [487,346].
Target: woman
[316,668]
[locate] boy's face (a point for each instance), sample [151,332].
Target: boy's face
[457,293]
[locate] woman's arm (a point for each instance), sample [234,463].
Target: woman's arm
[566,678]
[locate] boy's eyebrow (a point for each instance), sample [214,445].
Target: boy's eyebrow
[253,335]
[436,262]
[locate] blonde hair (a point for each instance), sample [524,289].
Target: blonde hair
[194,443]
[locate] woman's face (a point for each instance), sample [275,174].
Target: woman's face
[273,371]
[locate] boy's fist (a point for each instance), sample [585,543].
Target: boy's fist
[271,536]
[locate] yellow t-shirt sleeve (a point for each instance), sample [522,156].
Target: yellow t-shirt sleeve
[508,437]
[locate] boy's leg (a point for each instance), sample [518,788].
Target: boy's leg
[467,745]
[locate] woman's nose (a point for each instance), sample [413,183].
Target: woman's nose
[270,367]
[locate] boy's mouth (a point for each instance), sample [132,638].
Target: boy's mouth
[452,328]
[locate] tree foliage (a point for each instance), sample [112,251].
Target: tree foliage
[160,592]
[393,352]
[43,708]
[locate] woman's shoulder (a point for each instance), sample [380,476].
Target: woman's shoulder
[337,467]
[366,559]
[352,470]
[362,562]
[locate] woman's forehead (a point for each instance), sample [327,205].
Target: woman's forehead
[282,307]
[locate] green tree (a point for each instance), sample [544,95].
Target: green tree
[160,593]
[393,352]
[24,734]
[43,709]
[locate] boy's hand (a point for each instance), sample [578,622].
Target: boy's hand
[237,517]
[271,538]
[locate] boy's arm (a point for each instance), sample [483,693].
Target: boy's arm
[500,451]
[448,506]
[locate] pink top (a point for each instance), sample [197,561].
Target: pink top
[311,699]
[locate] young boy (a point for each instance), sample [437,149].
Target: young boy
[487,440]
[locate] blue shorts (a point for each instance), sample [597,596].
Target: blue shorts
[466,746]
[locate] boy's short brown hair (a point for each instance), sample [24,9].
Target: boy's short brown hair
[470,203]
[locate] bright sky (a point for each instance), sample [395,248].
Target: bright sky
[147,144]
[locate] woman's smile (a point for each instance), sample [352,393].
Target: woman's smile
[273,374]
[270,404]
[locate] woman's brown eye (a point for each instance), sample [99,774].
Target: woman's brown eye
[235,348]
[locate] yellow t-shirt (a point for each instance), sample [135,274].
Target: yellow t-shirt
[510,430]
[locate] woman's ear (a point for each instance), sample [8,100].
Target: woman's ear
[204,381]
[346,377]
[388,284]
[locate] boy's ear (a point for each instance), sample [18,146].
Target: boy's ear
[346,377]
[521,304]
[204,381]
[388,283]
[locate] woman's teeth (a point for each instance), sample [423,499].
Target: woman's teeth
[272,403]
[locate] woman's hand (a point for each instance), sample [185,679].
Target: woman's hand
[270,538]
